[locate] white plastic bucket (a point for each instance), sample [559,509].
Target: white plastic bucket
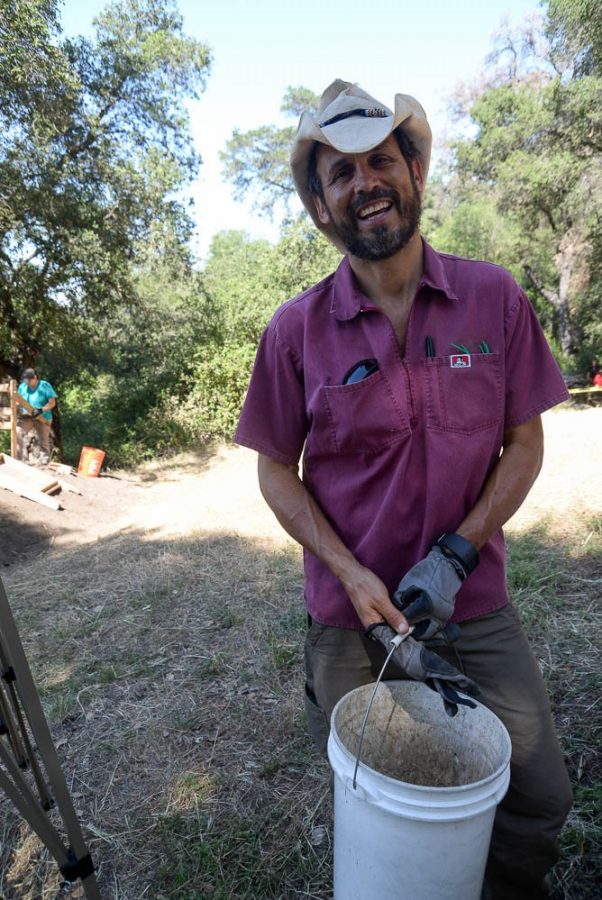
[418,823]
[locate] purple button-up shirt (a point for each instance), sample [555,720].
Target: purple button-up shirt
[399,458]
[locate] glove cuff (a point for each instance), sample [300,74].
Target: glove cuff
[457,549]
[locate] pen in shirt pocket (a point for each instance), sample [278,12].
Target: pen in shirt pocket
[429,347]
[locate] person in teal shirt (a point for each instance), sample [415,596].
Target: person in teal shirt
[37,416]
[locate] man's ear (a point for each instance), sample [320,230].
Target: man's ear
[321,209]
[417,170]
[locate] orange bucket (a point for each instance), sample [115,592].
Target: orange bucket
[90,461]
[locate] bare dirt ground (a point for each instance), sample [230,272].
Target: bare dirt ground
[215,492]
[162,617]
[218,492]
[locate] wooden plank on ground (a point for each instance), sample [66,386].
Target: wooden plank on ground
[23,490]
[21,479]
[65,486]
[34,477]
[51,488]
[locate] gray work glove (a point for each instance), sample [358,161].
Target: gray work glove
[35,411]
[422,664]
[426,595]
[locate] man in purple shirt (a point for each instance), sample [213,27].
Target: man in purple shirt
[412,382]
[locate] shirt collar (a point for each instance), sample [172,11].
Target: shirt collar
[434,273]
[347,300]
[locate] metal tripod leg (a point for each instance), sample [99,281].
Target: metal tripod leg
[12,731]
[74,861]
[15,724]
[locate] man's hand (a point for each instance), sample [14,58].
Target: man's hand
[35,412]
[371,599]
[427,593]
[422,664]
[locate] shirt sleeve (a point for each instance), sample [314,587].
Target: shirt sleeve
[534,381]
[49,390]
[274,420]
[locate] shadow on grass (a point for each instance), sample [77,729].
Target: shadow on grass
[171,672]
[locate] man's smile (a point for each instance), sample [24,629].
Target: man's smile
[372,209]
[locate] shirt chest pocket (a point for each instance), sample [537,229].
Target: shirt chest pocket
[362,418]
[465,398]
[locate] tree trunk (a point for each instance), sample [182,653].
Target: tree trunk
[565,260]
[559,300]
[57,432]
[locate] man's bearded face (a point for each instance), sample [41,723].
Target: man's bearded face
[383,241]
[370,199]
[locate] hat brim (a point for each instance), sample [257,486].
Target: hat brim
[356,134]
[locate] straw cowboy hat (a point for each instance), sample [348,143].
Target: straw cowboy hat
[352,121]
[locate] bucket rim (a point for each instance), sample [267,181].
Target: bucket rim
[424,788]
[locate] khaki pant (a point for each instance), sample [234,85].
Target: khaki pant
[27,424]
[493,650]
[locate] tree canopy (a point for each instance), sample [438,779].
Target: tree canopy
[525,188]
[151,350]
[256,162]
[538,148]
[94,146]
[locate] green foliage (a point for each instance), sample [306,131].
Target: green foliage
[575,31]
[468,223]
[256,162]
[245,281]
[94,143]
[171,371]
[303,257]
[221,377]
[537,151]
[125,400]
[35,75]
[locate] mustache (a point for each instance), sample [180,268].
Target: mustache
[372,196]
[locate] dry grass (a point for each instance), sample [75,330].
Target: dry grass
[170,667]
[170,670]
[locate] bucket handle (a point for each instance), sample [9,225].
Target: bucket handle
[395,642]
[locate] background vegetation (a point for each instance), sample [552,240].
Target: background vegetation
[149,350]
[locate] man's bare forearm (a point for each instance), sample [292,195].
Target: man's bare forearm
[300,515]
[508,485]
[303,519]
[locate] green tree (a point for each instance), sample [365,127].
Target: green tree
[466,221]
[256,162]
[574,28]
[94,147]
[244,281]
[538,147]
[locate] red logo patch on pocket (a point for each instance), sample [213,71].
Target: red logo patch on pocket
[460,361]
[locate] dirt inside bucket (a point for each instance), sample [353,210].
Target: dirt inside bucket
[409,736]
